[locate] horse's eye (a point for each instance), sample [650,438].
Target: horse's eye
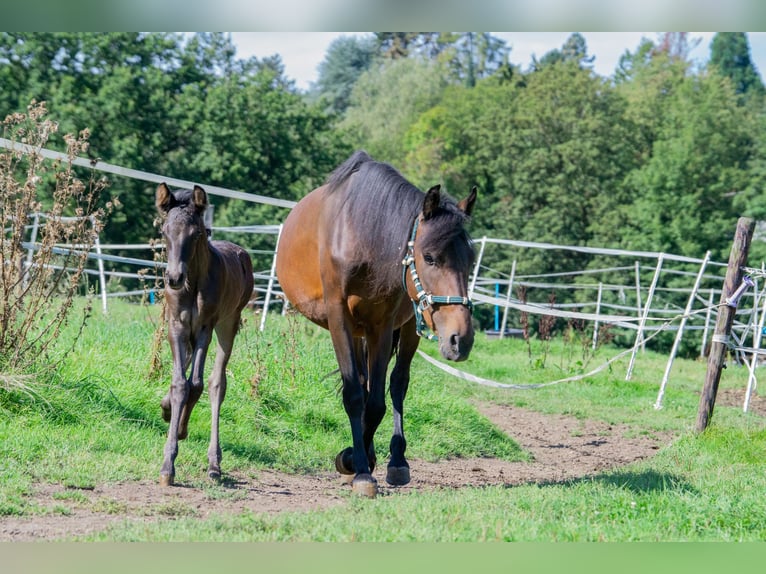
[428,258]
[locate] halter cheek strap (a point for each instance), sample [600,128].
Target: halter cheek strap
[424,298]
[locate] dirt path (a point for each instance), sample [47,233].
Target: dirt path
[561,447]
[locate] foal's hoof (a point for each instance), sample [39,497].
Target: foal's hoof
[398,475]
[214,475]
[364,485]
[167,480]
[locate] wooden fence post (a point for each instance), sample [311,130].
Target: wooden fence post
[720,339]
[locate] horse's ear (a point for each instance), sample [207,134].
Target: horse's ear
[431,202]
[200,198]
[163,198]
[466,205]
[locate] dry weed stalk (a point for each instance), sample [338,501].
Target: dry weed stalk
[40,278]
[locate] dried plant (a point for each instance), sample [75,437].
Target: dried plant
[521,292]
[42,275]
[545,331]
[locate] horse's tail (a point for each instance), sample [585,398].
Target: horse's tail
[348,167]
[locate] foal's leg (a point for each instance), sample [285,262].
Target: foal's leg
[178,336]
[225,332]
[398,469]
[196,378]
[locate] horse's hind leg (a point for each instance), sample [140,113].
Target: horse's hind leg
[217,390]
[398,472]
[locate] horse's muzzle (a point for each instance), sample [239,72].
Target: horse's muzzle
[456,347]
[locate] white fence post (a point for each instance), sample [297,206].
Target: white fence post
[751,381]
[508,299]
[273,273]
[101,275]
[476,267]
[640,337]
[680,332]
[647,307]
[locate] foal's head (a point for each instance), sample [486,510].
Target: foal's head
[183,229]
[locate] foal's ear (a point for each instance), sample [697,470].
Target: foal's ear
[199,197]
[466,205]
[163,198]
[431,202]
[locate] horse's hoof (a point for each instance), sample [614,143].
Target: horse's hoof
[343,462]
[364,485]
[167,480]
[398,475]
[214,475]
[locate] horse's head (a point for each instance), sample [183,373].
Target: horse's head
[183,228]
[442,255]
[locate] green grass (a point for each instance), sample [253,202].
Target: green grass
[97,420]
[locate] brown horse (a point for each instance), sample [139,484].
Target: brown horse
[378,262]
[207,284]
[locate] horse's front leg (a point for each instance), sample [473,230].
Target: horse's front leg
[378,356]
[398,472]
[217,390]
[178,336]
[353,401]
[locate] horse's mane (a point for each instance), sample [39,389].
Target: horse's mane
[384,204]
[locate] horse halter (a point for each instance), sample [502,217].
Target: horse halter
[425,299]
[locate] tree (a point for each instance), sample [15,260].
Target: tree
[695,151]
[387,100]
[476,56]
[730,56]
[575,49]
[548,155]
[169,105]
[346,59]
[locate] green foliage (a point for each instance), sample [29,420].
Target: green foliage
[387,99]
[346,59]
[730,56]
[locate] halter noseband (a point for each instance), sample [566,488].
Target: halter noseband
[425,299]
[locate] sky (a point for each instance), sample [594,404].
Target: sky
[301,52]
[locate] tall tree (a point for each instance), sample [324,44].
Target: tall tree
[575,49]
[730,55]
[346,59]
[695,145]
[388,99]
[477,56]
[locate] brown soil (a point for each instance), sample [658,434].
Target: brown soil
[560,448]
